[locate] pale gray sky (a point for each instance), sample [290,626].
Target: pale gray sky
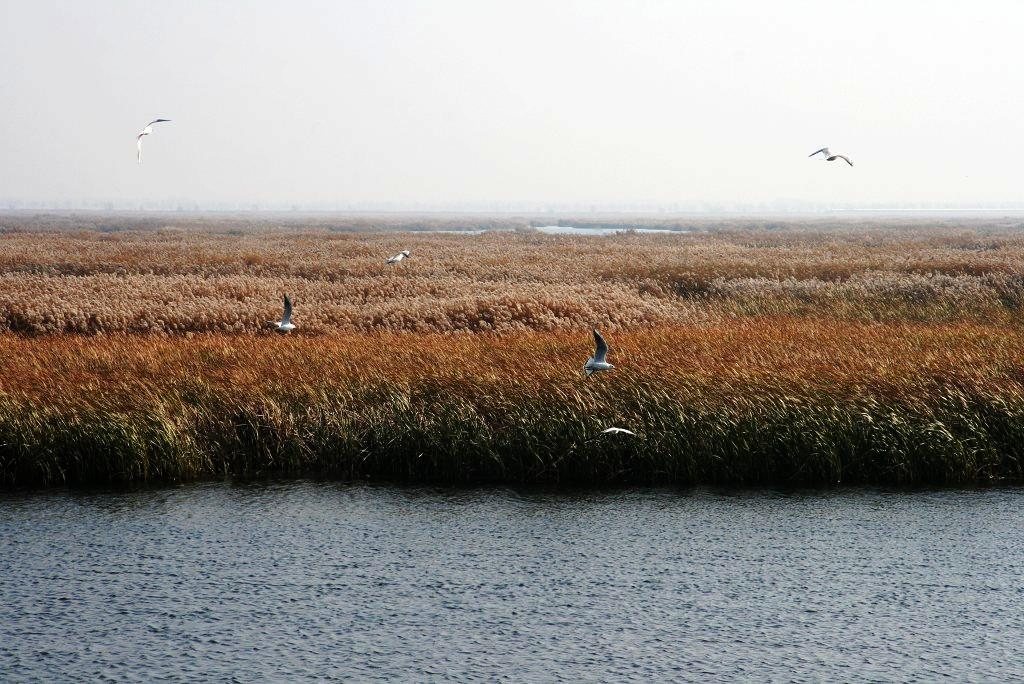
[451,101]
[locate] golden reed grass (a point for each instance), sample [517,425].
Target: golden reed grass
[173,281]
[794,356]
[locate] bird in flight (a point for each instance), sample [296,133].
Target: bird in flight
[597,363]
[611,431]
[618,431]
[404,254]
[146,131]
[831,157]
[285,324]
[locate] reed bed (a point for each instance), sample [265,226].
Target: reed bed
[757,401]
[795,354]
[179,281]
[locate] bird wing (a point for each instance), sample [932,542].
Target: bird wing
[602,347]
[287,318]
[156,121]
[823,149]
[617,431]
[839,156]
[138,144]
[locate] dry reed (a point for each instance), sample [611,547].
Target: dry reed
[796,356]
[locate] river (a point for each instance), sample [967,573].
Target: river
[300,580]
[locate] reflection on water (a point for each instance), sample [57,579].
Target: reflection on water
[299,580]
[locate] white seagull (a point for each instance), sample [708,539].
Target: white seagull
[146,131]
[618,431]
[831,157]
[285,324]
[596,363]
[611,431]
[404,254]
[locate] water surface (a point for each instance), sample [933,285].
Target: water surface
[281,582]
[598,232]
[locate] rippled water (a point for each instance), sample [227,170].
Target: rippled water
[299,580]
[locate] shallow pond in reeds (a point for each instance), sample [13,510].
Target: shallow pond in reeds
[573,230]
[300,580]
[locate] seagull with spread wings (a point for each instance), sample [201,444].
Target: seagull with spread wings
[597,363]
[285,325]
[831,157]
[146,131]
[618,431]
[404,254]
[611,431]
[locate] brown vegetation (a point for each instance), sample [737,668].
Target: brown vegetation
[800,355]
[189,281]
[753,401]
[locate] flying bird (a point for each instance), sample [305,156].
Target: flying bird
[404,254]
[610,431]
[831,157]
[285,325]
[596,363]
[146,131]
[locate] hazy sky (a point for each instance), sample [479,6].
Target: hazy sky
[447,102]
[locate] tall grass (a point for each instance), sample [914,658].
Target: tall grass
[176,281]
[759,352]
[754,401]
